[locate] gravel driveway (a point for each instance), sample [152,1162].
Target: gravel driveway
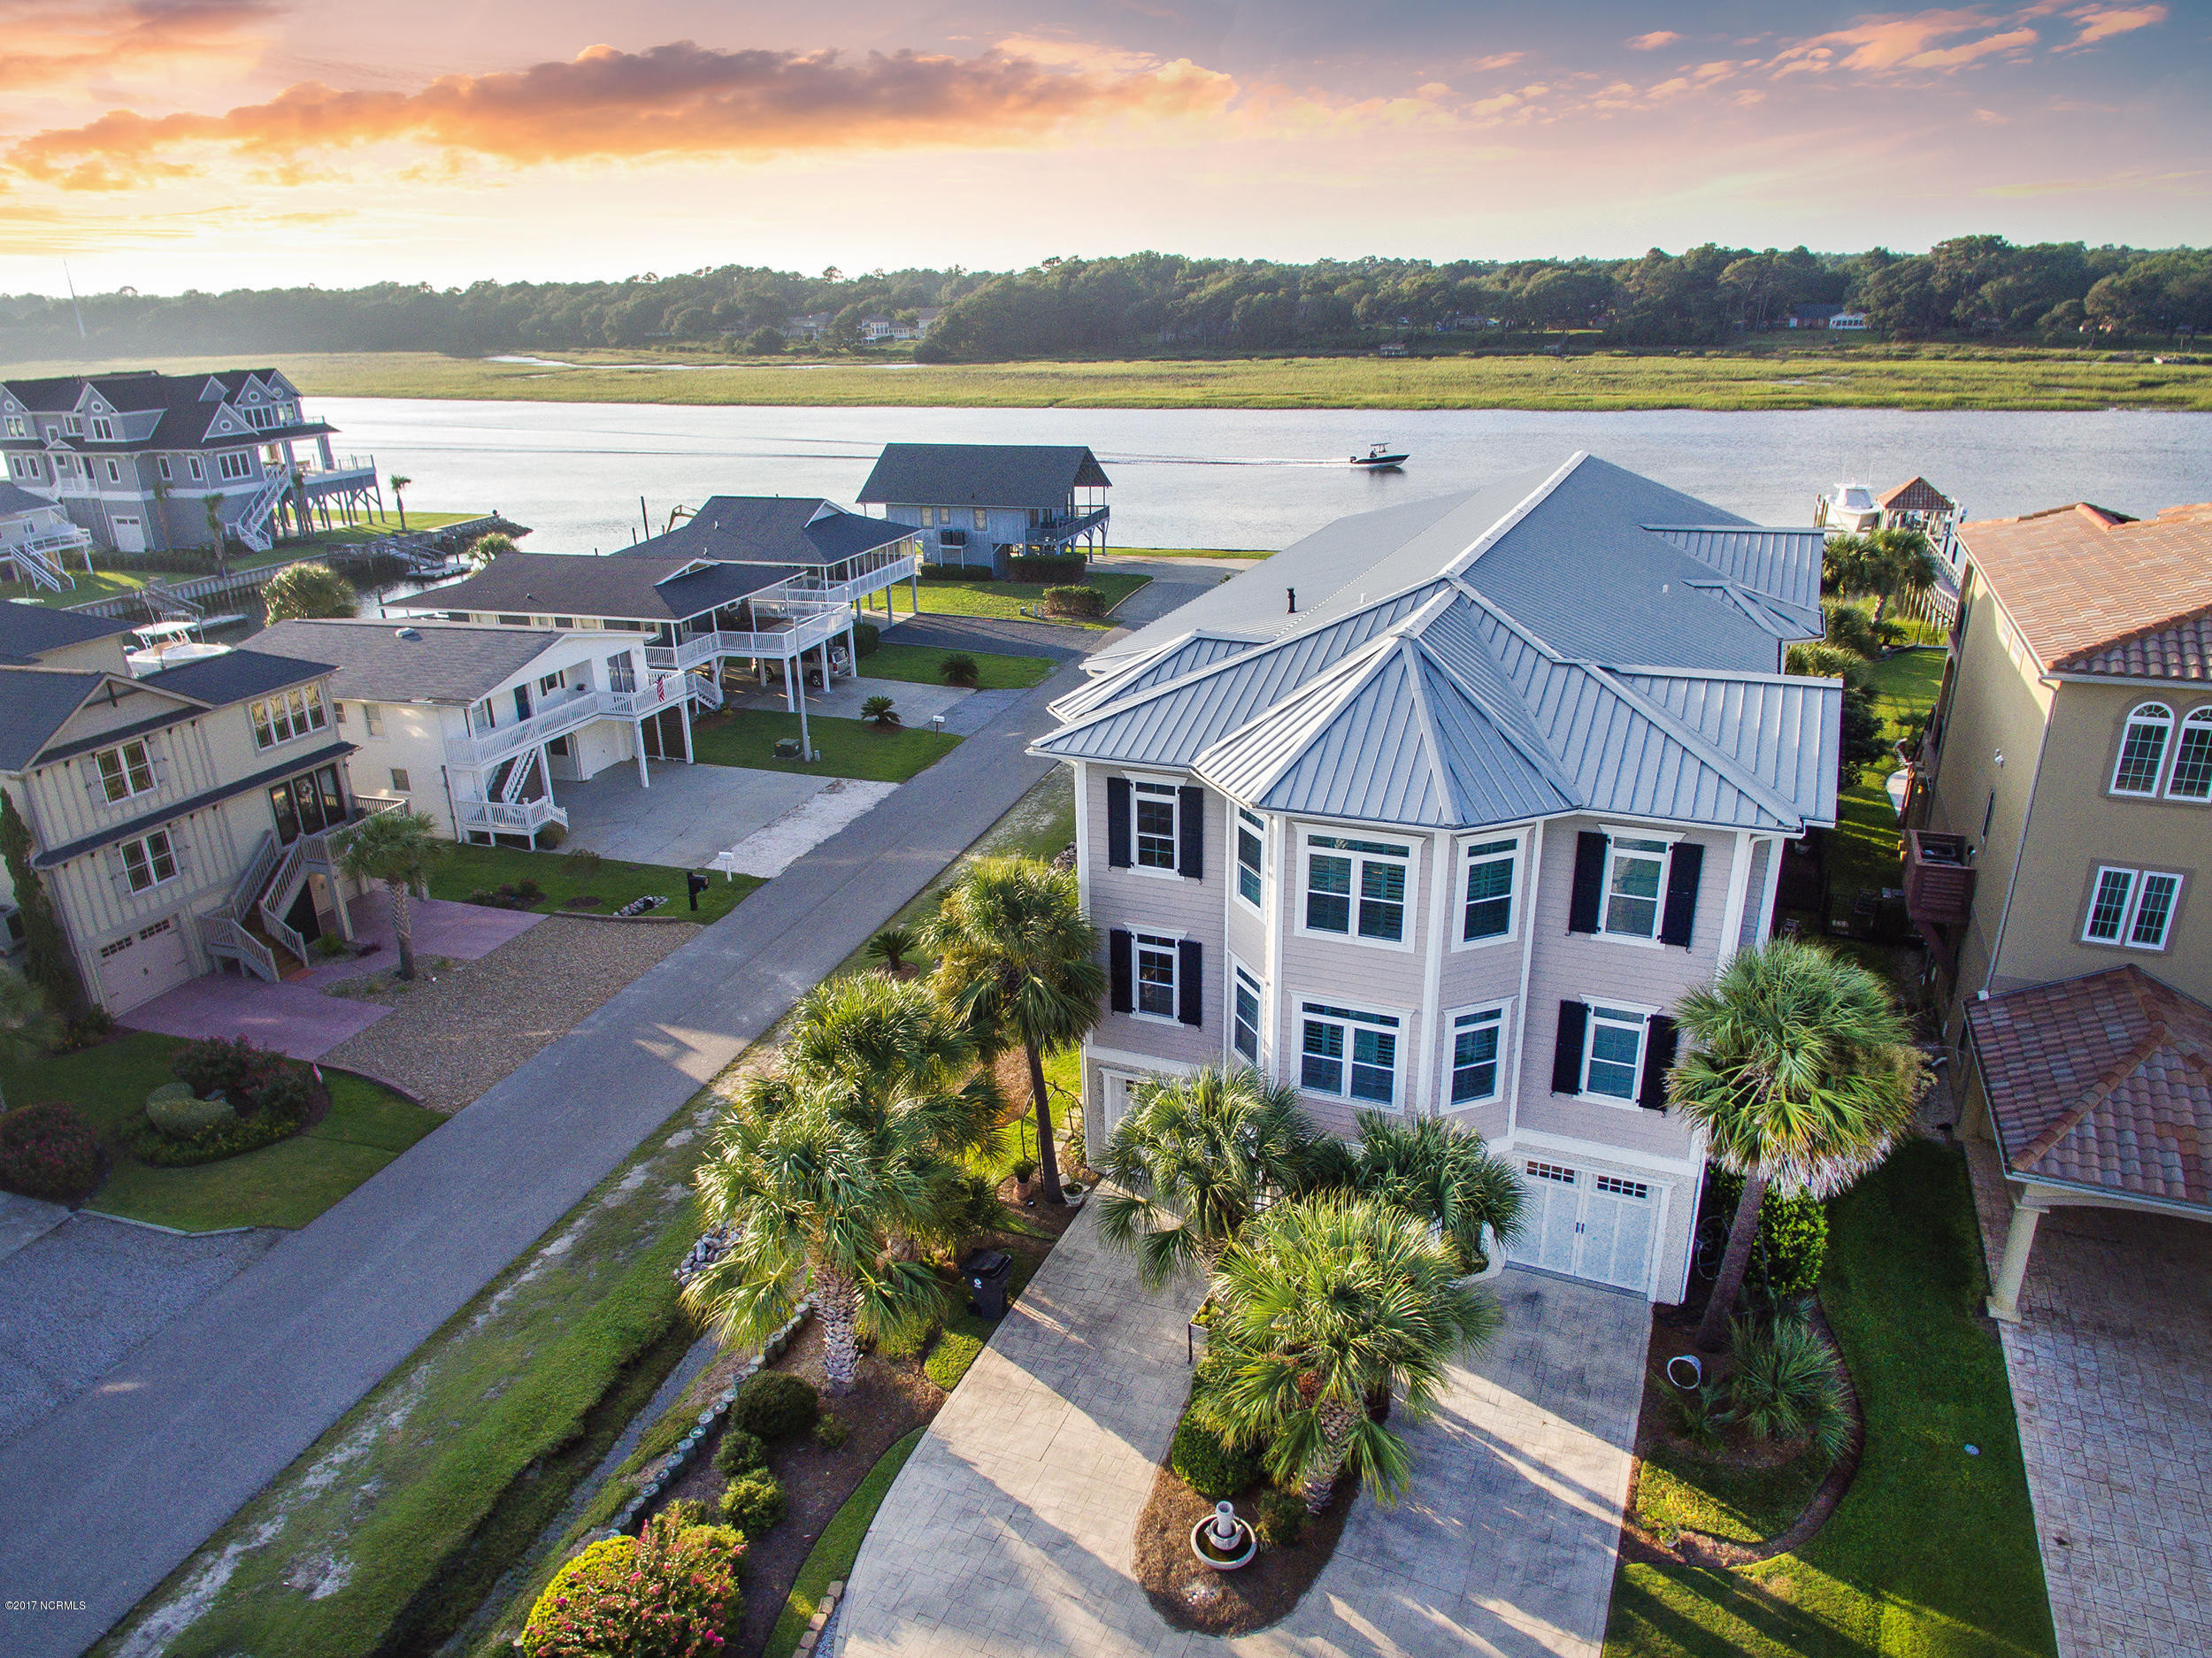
[452,1037]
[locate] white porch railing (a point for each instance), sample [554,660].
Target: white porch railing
[488,748]
[499,816]
[855,588]
[780,645]
[226,938]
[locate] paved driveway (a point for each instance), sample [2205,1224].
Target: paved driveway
[1010,1528]
[690,814]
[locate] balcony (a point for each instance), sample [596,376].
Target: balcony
[508,818]
[781,643]
[487,748]
[1939,880]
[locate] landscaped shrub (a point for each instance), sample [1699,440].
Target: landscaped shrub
[1201,1461]
[1787,1384]
[1282,1519]
[49,1150]
[94,1025]
[528,890]
[1792,1241]
[216,1065]
[669,1593]
[232,1137]
[882,711]
[829,1432]
[755,1503]
[739,1452]
[961,669]
[867,638]
[958,572]
[776,1406]
[1075,602]
[1850,628]
[175,1109]
[1048,570]
[891,946]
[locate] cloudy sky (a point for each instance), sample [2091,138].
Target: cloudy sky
[173,143]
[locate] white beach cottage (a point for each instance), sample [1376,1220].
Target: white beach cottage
[1439,811]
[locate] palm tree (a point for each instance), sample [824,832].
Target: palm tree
[212,505]
[1800,1070]
[490,545]
[812,1198]
[869,1044]
[1017,960]
[400,480]
[1195,1159]
[396,848]
[309,591]
[1321,1306]
[1442,1174]
[1887,563]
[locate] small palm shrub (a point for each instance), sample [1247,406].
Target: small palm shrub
[1281,1520]
[739,1452]
[880,712]
[755,1503]
[1787,1384]
[1850,629]
[776,1406]
[1213,1469]
[961,669]
[49,1150]
[892,946]
[671,1592]
[1701,1413]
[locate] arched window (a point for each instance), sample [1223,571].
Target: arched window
[2193,758]
[2143,751]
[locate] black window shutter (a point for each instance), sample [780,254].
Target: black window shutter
[1121,960]
[1660,1040]
[1685,864]
[1191,821]
[1582,906]
[1566,1054]
[1190,982]
[1118,822]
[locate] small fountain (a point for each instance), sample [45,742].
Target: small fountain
[1223,1541]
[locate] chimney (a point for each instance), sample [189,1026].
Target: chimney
[1294,599]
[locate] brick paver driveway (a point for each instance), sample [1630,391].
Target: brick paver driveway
[2111,1370]
[1009,1531]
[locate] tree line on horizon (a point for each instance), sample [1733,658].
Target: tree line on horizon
[1970,287]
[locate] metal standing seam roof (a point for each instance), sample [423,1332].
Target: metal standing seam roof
[1170,660]
[981,474]
[446,661]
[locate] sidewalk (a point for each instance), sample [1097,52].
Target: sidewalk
[101,1500]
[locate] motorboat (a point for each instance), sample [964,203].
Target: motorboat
[1850,508]
[1380,458]
[163,645]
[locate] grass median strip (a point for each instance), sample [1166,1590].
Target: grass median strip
[1007,600]
[463,870]
[849,748]
[832,1556]
[922,665]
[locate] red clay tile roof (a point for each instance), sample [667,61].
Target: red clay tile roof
[1918,494]
[2102,1081]
[2096,593]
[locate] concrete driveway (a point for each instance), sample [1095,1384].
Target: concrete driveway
[690,814]
[1011,1527]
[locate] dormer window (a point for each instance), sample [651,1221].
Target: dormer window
[103,429]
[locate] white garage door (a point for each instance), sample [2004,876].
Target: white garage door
[141,967]
[1588,1225]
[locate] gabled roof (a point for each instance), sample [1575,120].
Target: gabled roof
[15,499]
[1918,494]
[25,630]
[234,676]
[2099,594]
[653,588]
[772,529]
[35,703]
[2102,1081]
[445,662]
[192,414]
[982,474]
[1599,562]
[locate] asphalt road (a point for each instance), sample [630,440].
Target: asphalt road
[103,1498]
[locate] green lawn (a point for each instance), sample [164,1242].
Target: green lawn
[1866,851]
[832,1558]
[849,748]
[463,870]
[1934,1551]
[288,1184]
[373,525]
[1005,599]
[920,664]
[1186,552]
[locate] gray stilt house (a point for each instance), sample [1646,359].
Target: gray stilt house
[980,504]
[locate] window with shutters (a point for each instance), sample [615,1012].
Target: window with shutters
[1152,805]
[1490,896]
[1349,1054]
[1156,975]
[125,770]
[1476,1036]
[1244,1014]
[2133,908]
[1613,1052]
[1356,889]
[148,862]
[1251,833]
[1635,880]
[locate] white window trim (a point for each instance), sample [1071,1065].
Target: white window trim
[2137,881]
[1614,835]
[1449,1030]
[2165,752]
[2200,715]
[1589,1037]
[1406,943]
[1461,848]
[1175,979]
[1400,1053]
[1237,825]
[1233,1054]
[1174,800]
[144,843]
[99,777]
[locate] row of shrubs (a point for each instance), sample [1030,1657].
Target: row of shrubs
[509,895]
[1075,602]
[1049,570]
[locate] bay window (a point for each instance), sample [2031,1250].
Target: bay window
[1356,888]
[1349,1054]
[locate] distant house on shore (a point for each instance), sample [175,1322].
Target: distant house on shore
[38,541]
[1835,318]
[985,504]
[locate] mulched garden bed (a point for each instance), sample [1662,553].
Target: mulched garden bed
[1190,1596]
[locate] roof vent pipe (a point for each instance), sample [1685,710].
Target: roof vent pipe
[1293,592]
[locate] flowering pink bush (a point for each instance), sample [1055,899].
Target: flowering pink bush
[49,1150]
[670,1593]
